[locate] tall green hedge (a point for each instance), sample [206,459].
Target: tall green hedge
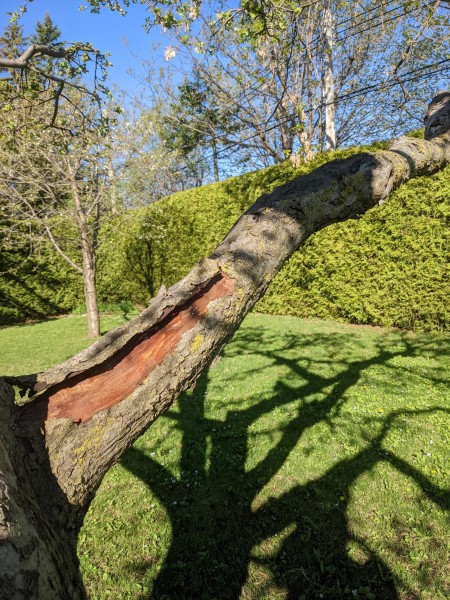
[390,267]
[161,242]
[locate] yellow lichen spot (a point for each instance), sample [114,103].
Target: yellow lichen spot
[239,294]
[197,342]
[89,443]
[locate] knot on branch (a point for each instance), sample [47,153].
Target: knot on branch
[437,117]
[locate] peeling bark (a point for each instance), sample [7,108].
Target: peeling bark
[82,414]
[82,396]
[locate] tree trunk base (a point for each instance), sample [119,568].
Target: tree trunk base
[37,541]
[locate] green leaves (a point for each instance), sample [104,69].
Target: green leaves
[388,268]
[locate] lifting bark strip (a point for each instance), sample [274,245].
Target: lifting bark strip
[82,396]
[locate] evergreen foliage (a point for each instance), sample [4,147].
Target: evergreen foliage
[33,288]
[46,32]
[389,267]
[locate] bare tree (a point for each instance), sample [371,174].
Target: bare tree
[155,166]
[48,70]
[267,75]
[55,184]
[80,416]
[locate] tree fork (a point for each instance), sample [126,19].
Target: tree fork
[82,414]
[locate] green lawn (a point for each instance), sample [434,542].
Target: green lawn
[311,462]
[32,348]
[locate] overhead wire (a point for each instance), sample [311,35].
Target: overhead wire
[258,89]
[350,95]
[404,14]
[375,25]
[362,16]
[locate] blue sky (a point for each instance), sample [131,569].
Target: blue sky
[124,37]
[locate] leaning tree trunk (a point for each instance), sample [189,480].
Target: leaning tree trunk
[82,415]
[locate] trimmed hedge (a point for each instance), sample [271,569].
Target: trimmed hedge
[36,287]
[390,267]
[159,244]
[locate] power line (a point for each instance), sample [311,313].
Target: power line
[350,95]
[388,20]
[256,90]
[363,15]
[375,8]
[313,56]
[364,21]
[374,26]
[380,16]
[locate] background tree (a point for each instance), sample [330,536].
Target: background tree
[12,44]
[265,70]
[54,185]
[196,121]
[55,181]
[51,64]
[153,165]
[46,34]
[12,41]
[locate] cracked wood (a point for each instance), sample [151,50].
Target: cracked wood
[84,395]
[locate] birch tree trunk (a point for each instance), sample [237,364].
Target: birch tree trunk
[84,413]
[328,79]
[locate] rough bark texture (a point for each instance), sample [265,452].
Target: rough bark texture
[38,528]
[82,414]
[88,259]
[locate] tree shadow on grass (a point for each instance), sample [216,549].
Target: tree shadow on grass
[222,523]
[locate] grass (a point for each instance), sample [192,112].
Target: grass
[310,462]
[35,347]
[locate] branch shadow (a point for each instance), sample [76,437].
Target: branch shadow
[218,519]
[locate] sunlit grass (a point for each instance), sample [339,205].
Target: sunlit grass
[310,462]
[34,347]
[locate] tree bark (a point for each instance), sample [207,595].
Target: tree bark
[90,292]
[88,260]
[215,160]
[83,413]
[328,79]
[38,527]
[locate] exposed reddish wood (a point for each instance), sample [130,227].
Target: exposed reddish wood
[84,395]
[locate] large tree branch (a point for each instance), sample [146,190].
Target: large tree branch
[23,61]
[95,405]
